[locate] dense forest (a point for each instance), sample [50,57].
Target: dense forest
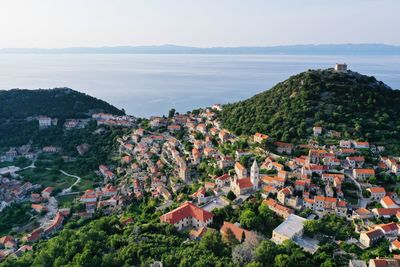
[59,102]
[62,103]
[106,241]
[354,104]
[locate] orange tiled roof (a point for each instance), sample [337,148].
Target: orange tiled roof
[376,190]
[187,209]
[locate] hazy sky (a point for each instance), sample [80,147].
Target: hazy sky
[66,23]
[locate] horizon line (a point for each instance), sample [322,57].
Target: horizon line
[204,47]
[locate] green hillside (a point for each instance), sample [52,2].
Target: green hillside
[62,103]
[354,104]
[59,102]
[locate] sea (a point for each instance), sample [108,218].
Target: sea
[151,84]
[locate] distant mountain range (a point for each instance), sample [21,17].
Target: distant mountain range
[323,49]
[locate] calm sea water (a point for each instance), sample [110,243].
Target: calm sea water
[147,85]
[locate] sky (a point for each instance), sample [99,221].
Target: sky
[202,23]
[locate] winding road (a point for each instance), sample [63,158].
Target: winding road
[69,189]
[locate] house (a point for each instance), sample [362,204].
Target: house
[38,208]
[217,107]
[239,233]
[395,246]
[340,67]
[209,152]
[174,128]
[267,190]
[368,238]
[363,174]
[225,161]
[345,143]
[34,235]
[317,130]
[202,128]
[259,137]
[8,242]
[197,234]
[50,149]
[360,145]
[377,193]
[391,230]
[315,155]
[282,147]
[44,121]
[274,181]
[222,180]
[385,213]
[275,166]
[283,194]
[240,170]
[384,262]
[355,162]
[279,209]
[200,195]
[313,169]
[223,136]
[196,156]
[55,224]
[387,202]
[186,215]
[362,213]
[46,193]
[330,177]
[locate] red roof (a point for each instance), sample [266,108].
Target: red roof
[389,227]
[388,201]
[223,177]
[48,189]
[187,209]
[387,212]
[236,230]
[376,190]
[244,183]
[396,243]
[365,171]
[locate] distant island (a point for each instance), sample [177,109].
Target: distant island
[308,49]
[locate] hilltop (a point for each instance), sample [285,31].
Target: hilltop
[348,102]
[17,105]
[58,102]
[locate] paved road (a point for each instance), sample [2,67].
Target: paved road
[69,189]
[362,202]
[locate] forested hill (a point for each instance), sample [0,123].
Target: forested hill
[59,102]
[349,102]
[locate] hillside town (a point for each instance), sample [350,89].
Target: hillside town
[192,167]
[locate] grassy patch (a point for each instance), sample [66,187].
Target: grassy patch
[47,178]
[15,215]
[66,201]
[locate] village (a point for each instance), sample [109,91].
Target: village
[164,158]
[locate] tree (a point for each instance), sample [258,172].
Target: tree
[248,219]
[212,241]
[243,254]
[229,238]
[171,113]
[231,196]
[266,252]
